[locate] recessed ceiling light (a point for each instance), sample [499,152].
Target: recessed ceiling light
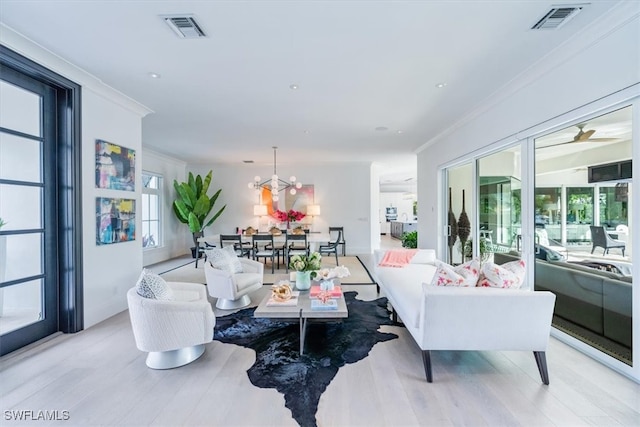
[154,75]
[382,128]
[399,131]
[306,132]
[293,86]
[441,85]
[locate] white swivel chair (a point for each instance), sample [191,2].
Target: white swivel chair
[232,289]
[173,332]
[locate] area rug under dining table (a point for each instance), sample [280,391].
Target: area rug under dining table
[359,274]
[303,378]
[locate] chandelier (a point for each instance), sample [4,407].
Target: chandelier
[275,184]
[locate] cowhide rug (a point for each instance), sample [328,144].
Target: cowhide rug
[328,346]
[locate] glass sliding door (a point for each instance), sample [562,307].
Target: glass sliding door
[499,201]
[583,230]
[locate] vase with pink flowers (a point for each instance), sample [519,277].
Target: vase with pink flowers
[288,216]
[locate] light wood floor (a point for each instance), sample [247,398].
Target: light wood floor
[100,377]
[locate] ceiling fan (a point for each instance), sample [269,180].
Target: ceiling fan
[582,136]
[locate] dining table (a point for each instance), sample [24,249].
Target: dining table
[314,238]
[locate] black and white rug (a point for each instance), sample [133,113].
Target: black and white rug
[328,347]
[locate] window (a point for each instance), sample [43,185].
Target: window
[151,199]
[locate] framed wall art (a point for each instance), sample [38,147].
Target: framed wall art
[115,166]
[115,220]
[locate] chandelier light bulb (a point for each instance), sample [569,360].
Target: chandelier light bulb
[275,184]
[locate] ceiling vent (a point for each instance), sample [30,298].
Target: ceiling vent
[557,17]
[185,26]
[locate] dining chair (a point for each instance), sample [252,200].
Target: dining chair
[279,247]
[332,247]
[236,241]
[342,241]
[263,248]
[296,244]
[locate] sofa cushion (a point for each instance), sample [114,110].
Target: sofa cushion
[224,259]
[152,286]
[466,274]
[508,275]
[403,287]
[424,256]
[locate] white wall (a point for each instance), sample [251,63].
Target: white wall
[109,270]
[174,239]
[343,192]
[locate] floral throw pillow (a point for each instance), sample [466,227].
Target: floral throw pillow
[152,286]
[463,275]
[224,259]
[508,275]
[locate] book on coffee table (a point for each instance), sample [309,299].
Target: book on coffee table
[317,304]
[292,302]
[315,290]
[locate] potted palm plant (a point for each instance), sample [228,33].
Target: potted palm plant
[193,205]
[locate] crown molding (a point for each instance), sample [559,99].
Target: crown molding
[618,17]
[37,53]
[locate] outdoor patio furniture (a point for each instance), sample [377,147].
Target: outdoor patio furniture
[601,239]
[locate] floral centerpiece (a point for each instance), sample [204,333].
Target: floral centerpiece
[290,215]
[306,267]
[309,263]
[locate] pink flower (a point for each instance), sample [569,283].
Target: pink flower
[288,216]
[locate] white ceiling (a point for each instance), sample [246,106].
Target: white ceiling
[359,65]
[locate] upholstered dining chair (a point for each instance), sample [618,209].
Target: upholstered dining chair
[263,247]
[296,244]
[173,331]
[332,247]
[232,289]
[236,241]
[342,242]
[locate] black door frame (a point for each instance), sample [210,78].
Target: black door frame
[68,175]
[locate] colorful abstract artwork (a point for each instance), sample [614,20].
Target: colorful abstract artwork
[115,166]
[115,220]
[300,200]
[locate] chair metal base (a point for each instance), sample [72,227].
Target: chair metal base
[229,304]
[174,358]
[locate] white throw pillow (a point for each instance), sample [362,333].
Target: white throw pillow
[508,275]
[463,275]
[224,259]
[424,256]
[152,286]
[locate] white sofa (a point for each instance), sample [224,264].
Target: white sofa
[475,318]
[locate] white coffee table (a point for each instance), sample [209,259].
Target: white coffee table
[302,312]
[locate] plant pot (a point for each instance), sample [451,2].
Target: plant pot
[193,252]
